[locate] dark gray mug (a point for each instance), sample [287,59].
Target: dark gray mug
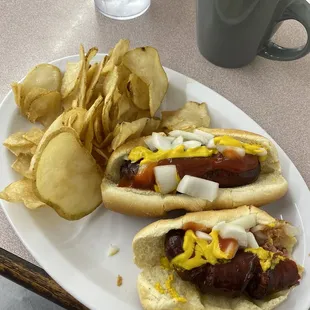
[231,33]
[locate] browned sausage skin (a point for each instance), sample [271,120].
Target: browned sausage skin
[242,274]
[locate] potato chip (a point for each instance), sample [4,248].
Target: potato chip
[44,76]
[17,89]
[74,118]
[144,62]
[116,55]
[90,55]
[66,175]
[71,78]
[87,134]
[138,92]
[98,129]
[126,131]
[83,79]
[22,164]
[110,83]
[123,76]
[152,124]
[100,157]
[34,135]
[45,108]
[191,116]
[90,73]
[21,191]
[93,83]
[17,144]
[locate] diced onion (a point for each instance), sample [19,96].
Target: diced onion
[187,135]
[252,243]
[258,228]
[247,221]
[236,232]
[211,144]
[161,142]
[149,142]
[203,235]
[191,144]
[291,230]
[207,136]
[177,141]
[198,188]
[166,178]
[263,152]
[218,226]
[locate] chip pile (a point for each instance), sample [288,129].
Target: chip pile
[87,113]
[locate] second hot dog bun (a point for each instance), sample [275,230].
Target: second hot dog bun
[269,187]
[148,248]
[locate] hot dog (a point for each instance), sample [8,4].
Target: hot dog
[221,169]
[240,259]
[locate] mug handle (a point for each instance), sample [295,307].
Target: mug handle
[300,11]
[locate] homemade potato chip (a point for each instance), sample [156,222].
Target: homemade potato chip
[34,135]
[93,82]
[87,134]
[74,118]
[138,92]
[45,108]
[116,55]
[144,62]
[126,131]
[151,125]
[191,116]
[22,164]
[63,170]
[44,76]
[17,144]
[71,78]
[21,191]
[17,89]
[98,129]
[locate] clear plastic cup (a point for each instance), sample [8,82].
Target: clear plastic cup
[122,9]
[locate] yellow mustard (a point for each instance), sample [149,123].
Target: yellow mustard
[267,259]
[172,291]
[204,252]
[211,253]
[148,156]
[164,263]
[159,288]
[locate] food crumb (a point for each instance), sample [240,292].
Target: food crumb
[113,250]
[119,280]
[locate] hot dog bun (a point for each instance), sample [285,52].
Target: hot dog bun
[270,185]
[148,248]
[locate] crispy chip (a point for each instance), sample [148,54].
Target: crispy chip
[21,191]
[138,92]
[191,116]
[17,90]
[17,144]
[43,76]
[127,131]
[45,108]
[71,78]
[144,62]
[90,73]
[34,135]
[83,79]
[93,83]
[87,134]
[152,124]
[98,129]
[22,164]
[116,55]
[75,118]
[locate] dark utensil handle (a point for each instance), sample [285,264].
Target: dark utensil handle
[300,11]
[35,279]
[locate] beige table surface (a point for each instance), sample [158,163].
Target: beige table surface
[275,94]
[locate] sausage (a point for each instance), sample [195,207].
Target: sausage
[225,171]
[283,276]
[241,274]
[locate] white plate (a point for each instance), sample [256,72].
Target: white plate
[75,253]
